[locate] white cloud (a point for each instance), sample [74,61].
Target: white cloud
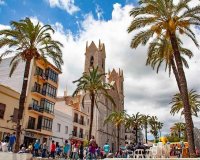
[67,5]
[2,2]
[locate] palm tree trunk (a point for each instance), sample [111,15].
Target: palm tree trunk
[174,68]
[91,115]
[21,104]
[184,95]
[146,133]
[118,130]
[136,134]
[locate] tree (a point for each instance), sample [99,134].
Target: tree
[116,118]
[134,122]
[178,127]
[145,122]
[164,18]
[94,87]
[160,51]
[28,41]
[155,127]
[177,103]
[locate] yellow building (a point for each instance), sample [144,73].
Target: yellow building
[9,100]
[41,93]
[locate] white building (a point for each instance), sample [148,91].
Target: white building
[63,122]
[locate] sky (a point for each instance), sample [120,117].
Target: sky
[78,21]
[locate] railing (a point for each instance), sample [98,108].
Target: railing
[36,89]
[36,108]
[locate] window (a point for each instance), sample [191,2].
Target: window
[45,123]
[49,90]
[36,87]
[2,110]
[51,74]
[81,133]
[39,71]
[47,105]
[76,117]
[15,115]
[91,61]
[31,123]
[58,127]
[81,120]
[34,102]
[66,129]
[75,132]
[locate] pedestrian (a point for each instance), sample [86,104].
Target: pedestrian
[36,148]
[44,149]
[66,149]
[53,149]
[92,140]
[92,150]
[81,149]
[75,151]
[12,140]
[7,137]
[58,150]
[106,148]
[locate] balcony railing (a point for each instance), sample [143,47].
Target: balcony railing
[35,107]
[36,89]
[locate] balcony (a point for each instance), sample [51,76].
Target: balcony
[37,91]
[35,108]
[41,76]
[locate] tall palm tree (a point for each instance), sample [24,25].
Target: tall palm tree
[28,41]
[134,122]
[178,127]
[145,122]
[156,126]
[164,18]
[177,103]
[160,51]
[116,118]
[94,87]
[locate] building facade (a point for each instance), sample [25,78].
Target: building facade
[63,122]
[9,100]
[40,99]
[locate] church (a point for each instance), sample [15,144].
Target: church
[96,56]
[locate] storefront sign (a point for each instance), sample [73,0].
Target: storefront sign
[29,134]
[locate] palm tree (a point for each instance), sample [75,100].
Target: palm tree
[177,103]
[93,85]
[160,51]
[134,122]
[155,127]
[145,122]
[28,41]
[178,127]
[116,118]
[164,18]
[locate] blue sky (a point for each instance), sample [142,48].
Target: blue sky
[18,9]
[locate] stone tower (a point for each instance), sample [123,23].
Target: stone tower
[95,57]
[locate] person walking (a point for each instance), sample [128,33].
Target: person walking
[81,149]
[92,150]
[44,149]
[66,149]
[106,148]
[75,151]
[36,148]
[53,149]
[12,140]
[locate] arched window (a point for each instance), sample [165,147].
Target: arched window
[91,61]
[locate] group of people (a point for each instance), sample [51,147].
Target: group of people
[8,142]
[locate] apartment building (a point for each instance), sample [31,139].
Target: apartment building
[8,110]
[80,118]
[63,122]
[40,99]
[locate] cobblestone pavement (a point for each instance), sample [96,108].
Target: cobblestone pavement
[14,156]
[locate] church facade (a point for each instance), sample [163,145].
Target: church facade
[96,56]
